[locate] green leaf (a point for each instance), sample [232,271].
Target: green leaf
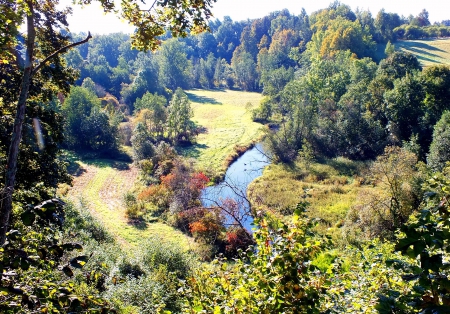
[72,246]
[57,250]
[405,243]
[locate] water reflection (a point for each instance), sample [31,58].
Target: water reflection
[231,193]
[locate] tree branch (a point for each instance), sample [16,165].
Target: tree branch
[61,50]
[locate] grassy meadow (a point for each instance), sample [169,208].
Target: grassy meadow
[100,185]
[331,187]
[225,116]
[428,52]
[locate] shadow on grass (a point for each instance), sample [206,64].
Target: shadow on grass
[415,44]
[346,167]
[425,59]
[192,151]
[117,160]
[139,224]
[202,99]
[104,163]
[423,52]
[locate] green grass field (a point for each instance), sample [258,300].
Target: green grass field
[226,118]
[429,52]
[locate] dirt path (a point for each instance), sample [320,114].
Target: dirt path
[101,186]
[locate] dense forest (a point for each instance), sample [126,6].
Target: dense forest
[343,115]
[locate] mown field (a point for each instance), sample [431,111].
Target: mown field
[429,52]
[100,186]
[225,116]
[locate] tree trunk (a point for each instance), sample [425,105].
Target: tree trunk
[16,136]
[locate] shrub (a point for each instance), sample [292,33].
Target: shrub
[237,239]
[275,277]
[156,194]
[134,208]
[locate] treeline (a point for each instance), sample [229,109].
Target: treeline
[326,96]
[351,107]
[257,55]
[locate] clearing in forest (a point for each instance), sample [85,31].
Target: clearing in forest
[428,52]
[225,117]
[100,185]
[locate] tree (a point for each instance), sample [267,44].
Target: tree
[436,82]
[174,67]
[385,210]
[88,126]
[423,242]
[342,34]
[179,113]
[51,44]
[145,80]
[390,49]
[282,42]
[141,142]
[385,24]
[421,19]
[440,146]
[405,111]
[207,69]
[244,69]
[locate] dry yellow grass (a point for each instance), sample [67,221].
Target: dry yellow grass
[332,189]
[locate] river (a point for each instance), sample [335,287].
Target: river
[237,178]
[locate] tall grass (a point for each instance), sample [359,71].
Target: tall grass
[330,187]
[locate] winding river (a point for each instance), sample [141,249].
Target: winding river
[239,175]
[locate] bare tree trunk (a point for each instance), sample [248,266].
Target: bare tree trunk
[16,136]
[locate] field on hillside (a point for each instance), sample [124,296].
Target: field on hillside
[225,116]
[429,52]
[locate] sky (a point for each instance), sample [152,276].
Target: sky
[91,18]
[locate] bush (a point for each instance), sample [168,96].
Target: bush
[134,208]
[80,220]
[237,239]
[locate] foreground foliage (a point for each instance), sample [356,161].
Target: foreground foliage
[30,260]
[276,276]
[424,240]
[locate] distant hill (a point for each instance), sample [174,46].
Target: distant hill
[429,52]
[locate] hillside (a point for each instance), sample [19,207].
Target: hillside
[429,52]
